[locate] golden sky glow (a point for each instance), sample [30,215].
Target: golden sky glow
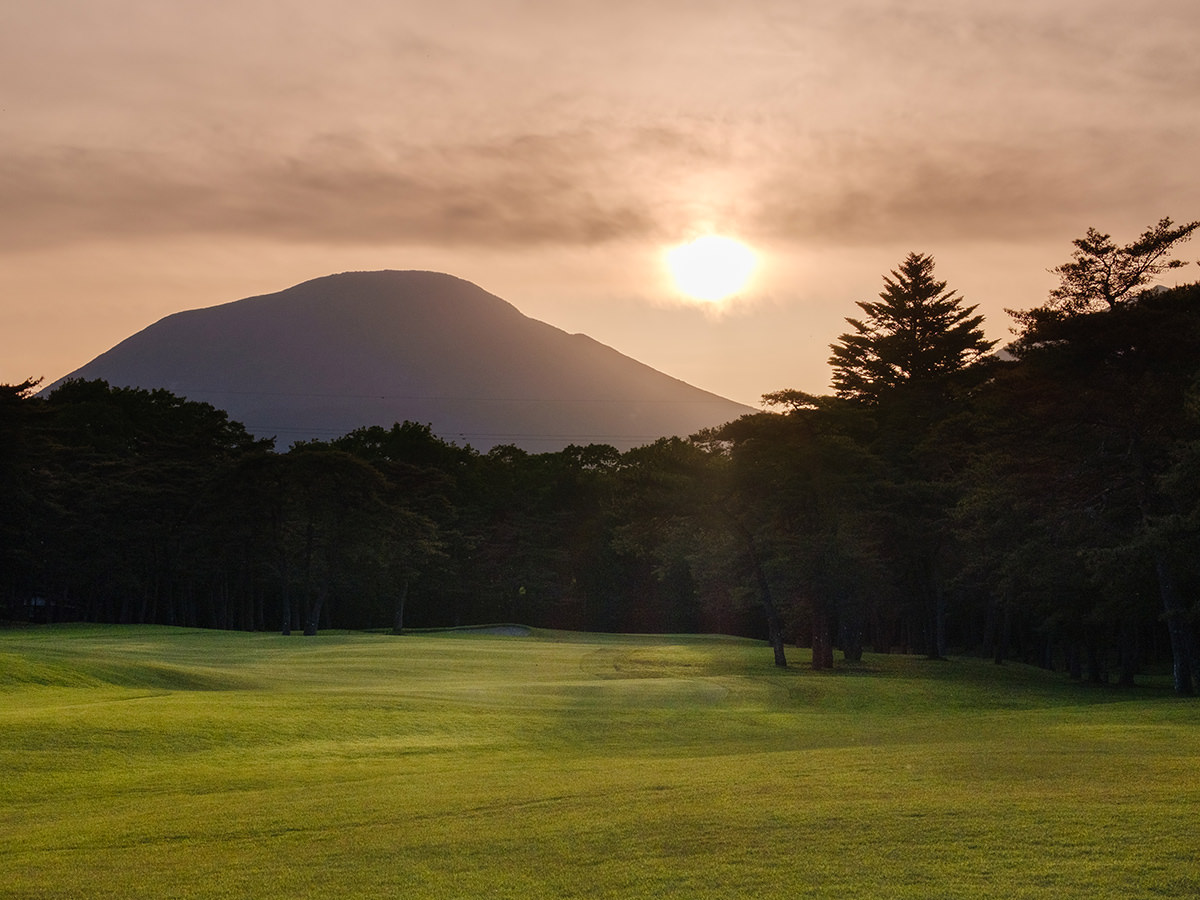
[157,157]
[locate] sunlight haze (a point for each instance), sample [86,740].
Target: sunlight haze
[711,268]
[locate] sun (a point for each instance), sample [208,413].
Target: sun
[711,268]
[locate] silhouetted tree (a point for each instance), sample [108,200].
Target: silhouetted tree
[918,332]
[673,518]
[428,483]
[1120,381]
[909,361]
[1102,275]
[126,484]
[335,509]
[22,512]
[803,489]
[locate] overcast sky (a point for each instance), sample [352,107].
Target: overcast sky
[158,156]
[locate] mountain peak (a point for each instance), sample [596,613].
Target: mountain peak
[329,355]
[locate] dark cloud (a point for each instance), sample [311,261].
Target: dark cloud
[862,190]
[589,187]
[524,190]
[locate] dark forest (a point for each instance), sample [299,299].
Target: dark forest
[1041,503]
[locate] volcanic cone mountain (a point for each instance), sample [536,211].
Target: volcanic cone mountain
[372,348]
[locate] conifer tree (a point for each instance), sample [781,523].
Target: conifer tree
[917,332]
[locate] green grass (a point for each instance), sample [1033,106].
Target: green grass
[165,763]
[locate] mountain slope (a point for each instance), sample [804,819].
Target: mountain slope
[372,348]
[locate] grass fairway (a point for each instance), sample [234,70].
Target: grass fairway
[165,763]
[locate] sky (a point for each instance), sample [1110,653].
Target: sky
[156,157]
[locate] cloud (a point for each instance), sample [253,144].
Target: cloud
[526,189]
[861,189]
[592,186]
[532,124]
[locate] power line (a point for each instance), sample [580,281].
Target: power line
[453,399]
[470,437]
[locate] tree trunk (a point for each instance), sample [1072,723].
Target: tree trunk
[286,603]
[774,622]
[851,641]
[398,618]
[1183,641]
[1005,632]
[314,612]
[1097,671]
[774,630]
[937,621]
[1183,648]
[1129,653]
[882,636]
[822,639]
[1074,664]
[1047,657]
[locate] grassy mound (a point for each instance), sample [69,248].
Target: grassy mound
[160,762]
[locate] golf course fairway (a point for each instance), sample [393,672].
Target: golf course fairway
[170,763]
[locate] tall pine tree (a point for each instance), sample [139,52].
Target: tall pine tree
[902,362]
[917,332]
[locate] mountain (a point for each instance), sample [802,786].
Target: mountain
[372,348]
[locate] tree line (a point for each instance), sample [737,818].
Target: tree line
[1040,503]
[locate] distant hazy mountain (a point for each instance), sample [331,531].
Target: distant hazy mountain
[373,348]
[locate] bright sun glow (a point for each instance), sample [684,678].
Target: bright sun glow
[711,268]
